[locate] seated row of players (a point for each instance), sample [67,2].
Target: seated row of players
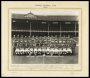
[42,45]
[40,51]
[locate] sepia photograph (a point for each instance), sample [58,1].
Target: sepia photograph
[45,37]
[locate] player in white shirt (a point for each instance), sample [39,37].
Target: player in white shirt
[17,51]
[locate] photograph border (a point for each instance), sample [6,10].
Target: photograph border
[40,64]
[7,67]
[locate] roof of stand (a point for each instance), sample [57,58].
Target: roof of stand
[45,17]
